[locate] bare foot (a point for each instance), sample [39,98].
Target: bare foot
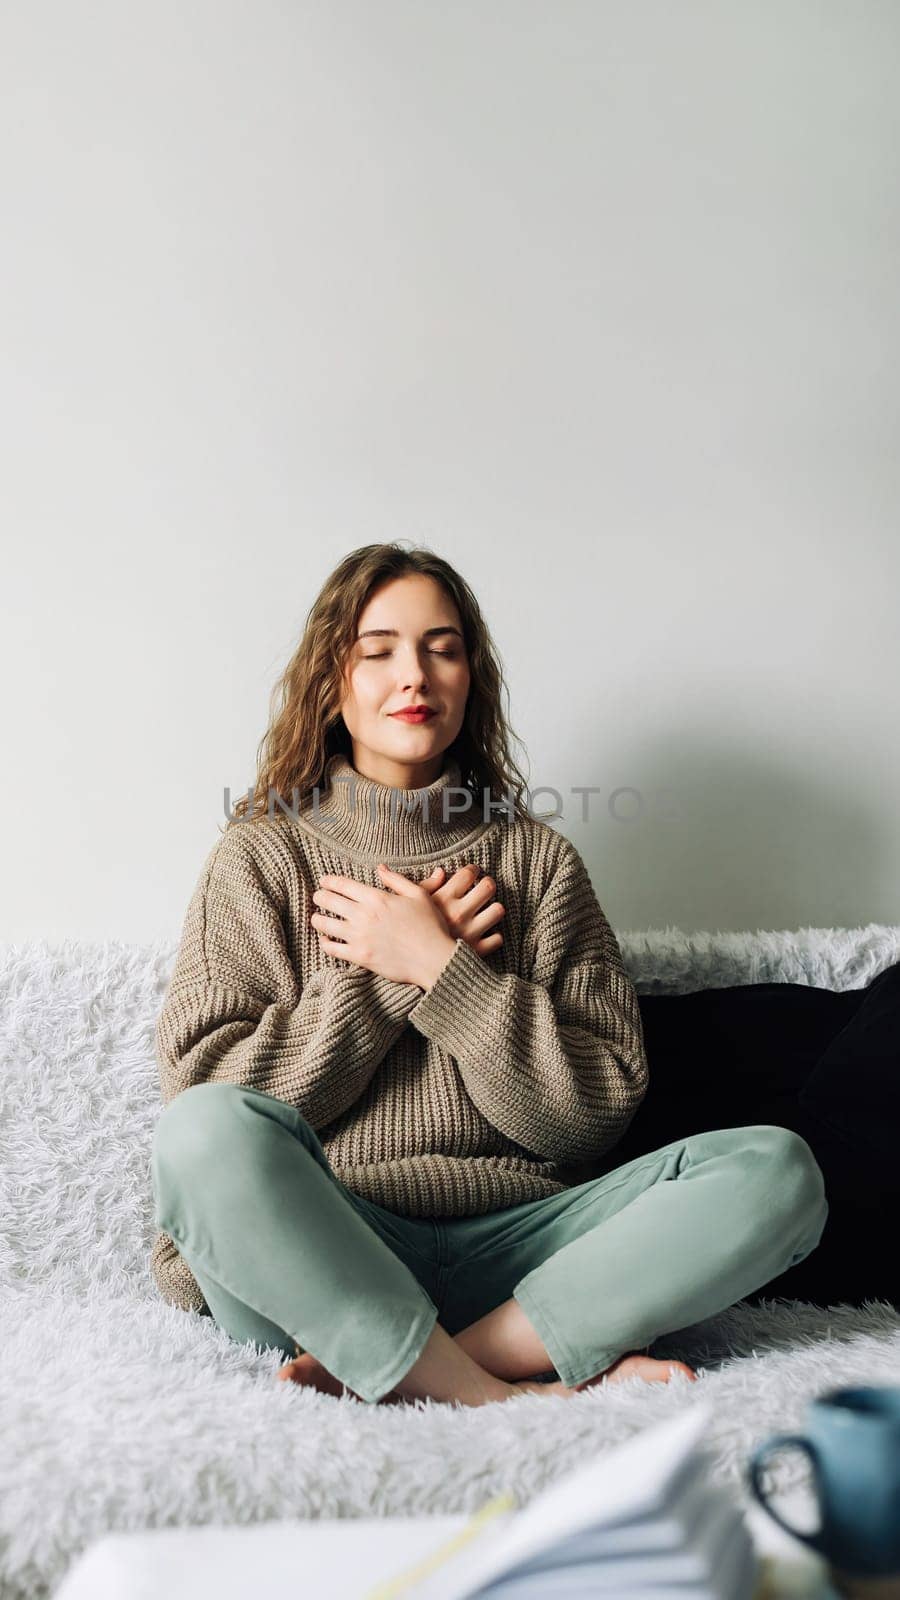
[639,1366]
[310,1373]
[307,1371]
[536,1386]
[628,1366]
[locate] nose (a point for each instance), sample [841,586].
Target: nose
[413,674]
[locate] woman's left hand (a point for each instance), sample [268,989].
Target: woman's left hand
[401,936]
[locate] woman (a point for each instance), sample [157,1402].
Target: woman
[397,1018]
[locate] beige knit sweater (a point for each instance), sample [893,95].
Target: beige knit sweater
[464,1098]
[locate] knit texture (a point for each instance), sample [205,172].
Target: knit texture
[468,1097]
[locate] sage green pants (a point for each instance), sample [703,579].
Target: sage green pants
[287,1256]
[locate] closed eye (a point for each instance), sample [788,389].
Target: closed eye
[377,657]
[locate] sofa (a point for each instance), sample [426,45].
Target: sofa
[123,1414]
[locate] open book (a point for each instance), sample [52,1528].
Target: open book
[642,1520]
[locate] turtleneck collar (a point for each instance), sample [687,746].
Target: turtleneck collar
[378,822]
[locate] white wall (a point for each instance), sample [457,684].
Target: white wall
[597,299]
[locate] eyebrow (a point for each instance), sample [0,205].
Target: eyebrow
[392,633]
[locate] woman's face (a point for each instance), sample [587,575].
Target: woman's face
[419,660]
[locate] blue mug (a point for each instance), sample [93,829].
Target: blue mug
[853,1444]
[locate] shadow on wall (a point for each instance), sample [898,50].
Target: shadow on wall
[723,837]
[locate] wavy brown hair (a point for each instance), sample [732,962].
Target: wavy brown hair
[306,727]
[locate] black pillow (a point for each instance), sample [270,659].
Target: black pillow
[729,1057]
[855,1085]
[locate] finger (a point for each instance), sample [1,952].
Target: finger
[463,881]
[478,893]
[348,887]
[333,947]
[397,881]
[329,901]
[483,920]
[328,929]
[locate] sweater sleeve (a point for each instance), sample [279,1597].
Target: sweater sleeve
[235,1010]
[555,1061]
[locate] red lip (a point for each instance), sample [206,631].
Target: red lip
[415,716]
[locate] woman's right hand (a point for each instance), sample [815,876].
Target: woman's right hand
[464,903]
